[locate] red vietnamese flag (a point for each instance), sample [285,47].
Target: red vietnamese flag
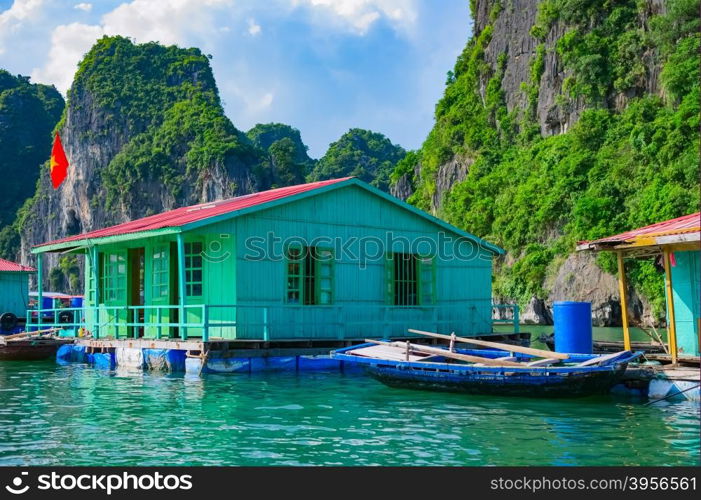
[59,163]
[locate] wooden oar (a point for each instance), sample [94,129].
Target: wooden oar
[448,354]
[497,345]
[26,334]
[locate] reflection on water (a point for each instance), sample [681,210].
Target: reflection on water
[76,415]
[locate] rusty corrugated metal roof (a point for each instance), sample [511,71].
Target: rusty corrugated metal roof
[681,225]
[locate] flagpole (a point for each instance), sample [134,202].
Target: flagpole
[40,287]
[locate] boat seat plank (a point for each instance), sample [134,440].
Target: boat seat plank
[543,362]
[495,345]
[447,354]
[385,352]
[599,359]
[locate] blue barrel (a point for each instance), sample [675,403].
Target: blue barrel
[47,302]
[77,302]
[573,331]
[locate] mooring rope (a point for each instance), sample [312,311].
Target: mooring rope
[671,395]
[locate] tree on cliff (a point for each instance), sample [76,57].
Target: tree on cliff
[286,162]
[370,156]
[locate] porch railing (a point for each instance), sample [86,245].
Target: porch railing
[273,322]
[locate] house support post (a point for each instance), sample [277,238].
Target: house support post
[205,323]
[671,324]
[266,331]
[181,286]
[40,287]
[624,300]
[94,269]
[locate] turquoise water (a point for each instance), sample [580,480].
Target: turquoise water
[76,415]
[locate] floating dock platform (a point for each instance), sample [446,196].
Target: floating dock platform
[661,382]
[219,355]
[196,357]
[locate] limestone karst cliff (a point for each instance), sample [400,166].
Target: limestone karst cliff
[565,120]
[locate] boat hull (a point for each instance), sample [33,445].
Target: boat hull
[28,350]
[582,375]
[553,385]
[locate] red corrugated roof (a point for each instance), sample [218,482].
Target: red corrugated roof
[7,266]
[681,225]
[186,215]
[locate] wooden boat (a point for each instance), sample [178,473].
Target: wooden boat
[512,371]
[31,346]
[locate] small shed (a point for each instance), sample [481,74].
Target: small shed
[14,291]
[678,242]
[330,260]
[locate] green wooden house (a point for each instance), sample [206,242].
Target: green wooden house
[335,259]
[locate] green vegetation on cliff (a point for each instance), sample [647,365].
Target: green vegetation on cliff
[285,161]
[28,114]
[618,167]
[370,156]
[166,101]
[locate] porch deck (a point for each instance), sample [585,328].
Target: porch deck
[255,324]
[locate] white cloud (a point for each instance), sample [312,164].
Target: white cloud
[69,43]
[251,101]
[189,23]
[360,15]
[13,18]
[253,27]
[164,21]
[265,101]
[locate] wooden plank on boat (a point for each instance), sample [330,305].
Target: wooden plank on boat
[543,362]
[599,359]
[497,345]
[506,358]
[385,352]
[27,335]
[447,354]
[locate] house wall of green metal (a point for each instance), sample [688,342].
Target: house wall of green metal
[366,227]
[14,293]
[245,274]
[686,288]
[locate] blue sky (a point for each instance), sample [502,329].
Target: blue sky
[323,66]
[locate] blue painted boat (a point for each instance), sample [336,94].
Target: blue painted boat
[579,375]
